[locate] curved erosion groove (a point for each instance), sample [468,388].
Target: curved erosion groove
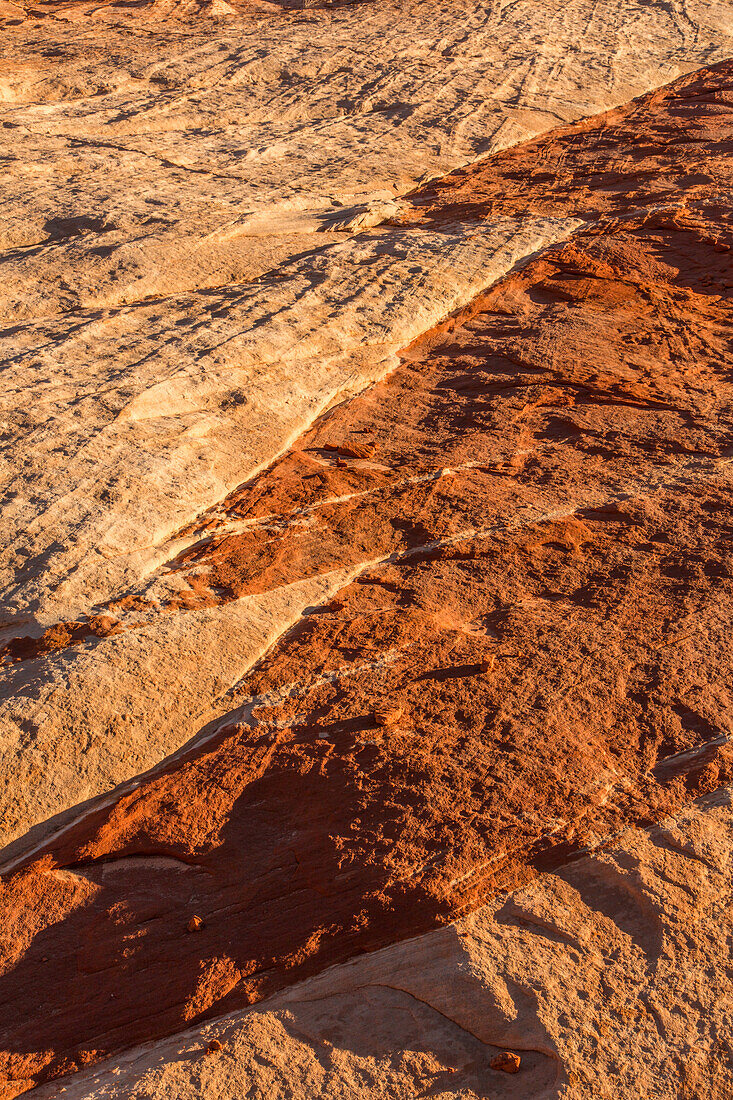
[516,652]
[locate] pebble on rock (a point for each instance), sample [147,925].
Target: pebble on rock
[387,716]
[506,1062]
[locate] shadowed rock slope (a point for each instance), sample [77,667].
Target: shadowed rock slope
[610,978]
[522,657]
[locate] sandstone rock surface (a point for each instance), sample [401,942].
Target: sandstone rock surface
[366,551]
[197,206]
[609,978]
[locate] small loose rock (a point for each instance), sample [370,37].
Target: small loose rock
[195,924]
[387,716]
[356,450]
[506,1062]
[214,1047]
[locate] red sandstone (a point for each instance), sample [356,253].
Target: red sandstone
[543,490]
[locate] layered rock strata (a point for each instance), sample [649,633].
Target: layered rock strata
[191,280]
[513,561]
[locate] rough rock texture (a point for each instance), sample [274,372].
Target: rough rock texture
[190,283]
[367,562]
[610,978]
[50,711]
[517,548]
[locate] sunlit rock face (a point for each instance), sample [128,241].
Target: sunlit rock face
[366,563]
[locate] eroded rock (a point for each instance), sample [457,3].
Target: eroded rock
[371,588]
